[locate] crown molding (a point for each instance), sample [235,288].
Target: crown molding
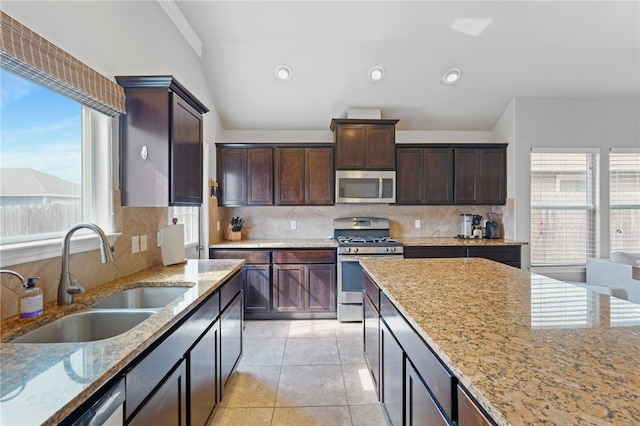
[171,9]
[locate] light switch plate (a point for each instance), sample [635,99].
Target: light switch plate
[143,242]
[135,244]
[417,223]
[159,239]
[294,224]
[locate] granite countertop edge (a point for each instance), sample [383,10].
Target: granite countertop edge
[23,364]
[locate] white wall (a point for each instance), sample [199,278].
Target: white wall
[566,123]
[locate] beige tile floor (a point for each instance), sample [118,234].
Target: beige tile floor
[299,373]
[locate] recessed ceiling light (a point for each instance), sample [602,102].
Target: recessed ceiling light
[451,75]
[283,72]
[375,73]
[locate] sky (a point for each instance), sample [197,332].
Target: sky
[39,129]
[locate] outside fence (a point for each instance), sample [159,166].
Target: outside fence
[21,220]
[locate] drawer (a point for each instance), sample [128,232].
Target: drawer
[304,256]
[372,290]
[436,376]
[229,290]
[250,256]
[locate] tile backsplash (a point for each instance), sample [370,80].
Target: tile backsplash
[86,266]
[317,221]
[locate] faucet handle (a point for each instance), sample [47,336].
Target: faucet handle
[76,288]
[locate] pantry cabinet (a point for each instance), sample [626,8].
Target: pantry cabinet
[161,159]
[364,144]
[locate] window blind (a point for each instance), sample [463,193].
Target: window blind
[624,201]
[27,54]
[564,203]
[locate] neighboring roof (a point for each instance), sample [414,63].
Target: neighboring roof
[22,181]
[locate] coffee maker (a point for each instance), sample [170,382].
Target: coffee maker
[476,226]
[492,226]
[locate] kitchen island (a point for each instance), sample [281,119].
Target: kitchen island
[527,349]
[43,383]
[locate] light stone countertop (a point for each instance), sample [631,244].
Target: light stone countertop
[311,243]
[530,349]
[44,383]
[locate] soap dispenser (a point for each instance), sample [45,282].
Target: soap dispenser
[31,300]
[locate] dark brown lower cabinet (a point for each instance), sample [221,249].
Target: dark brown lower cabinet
[230,340]
[288,289]
[257,288]
[469,414]
[371,327]
[420,408]
[392,361]
[304,288]
[202,362]
[168,404]
[509,255]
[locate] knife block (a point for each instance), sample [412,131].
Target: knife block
[232,235]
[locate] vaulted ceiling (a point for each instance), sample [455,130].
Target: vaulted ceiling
[504,49]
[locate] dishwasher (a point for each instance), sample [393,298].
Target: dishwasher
[108,410]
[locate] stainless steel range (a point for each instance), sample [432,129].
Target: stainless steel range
[358,238]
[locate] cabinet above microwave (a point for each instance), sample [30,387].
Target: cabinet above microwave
[364,144]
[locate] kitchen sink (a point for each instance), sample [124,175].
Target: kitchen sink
[86,326]
[141,297]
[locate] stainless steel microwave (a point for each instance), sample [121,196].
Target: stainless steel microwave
[365,186]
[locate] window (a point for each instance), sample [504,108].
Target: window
[189,216]
[564,207]
[624,201]
[41,157]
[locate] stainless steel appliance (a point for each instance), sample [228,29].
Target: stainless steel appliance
[365,186]
[359,238]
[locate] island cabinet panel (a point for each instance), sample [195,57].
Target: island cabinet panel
[304,176]
[469,413]
[424,176]
[231,320]
[435,375]
[420,405]
[392,394]
[364,144]
[371,329]
[168,406]
[161,157]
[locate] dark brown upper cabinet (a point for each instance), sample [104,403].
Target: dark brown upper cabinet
[160,143]
[480,176]
[304,176]
[364,144]
[245,176]
[424,176]
[451,174]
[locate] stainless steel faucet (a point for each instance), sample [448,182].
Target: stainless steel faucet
[67,288]
[20,277]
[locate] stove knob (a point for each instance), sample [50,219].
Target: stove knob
[346,250]
[355,249]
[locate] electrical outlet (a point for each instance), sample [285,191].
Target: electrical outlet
[135,244]
[417,223]
[159,239]
[143,242]
[294,224]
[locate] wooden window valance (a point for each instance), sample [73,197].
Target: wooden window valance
[29,55]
